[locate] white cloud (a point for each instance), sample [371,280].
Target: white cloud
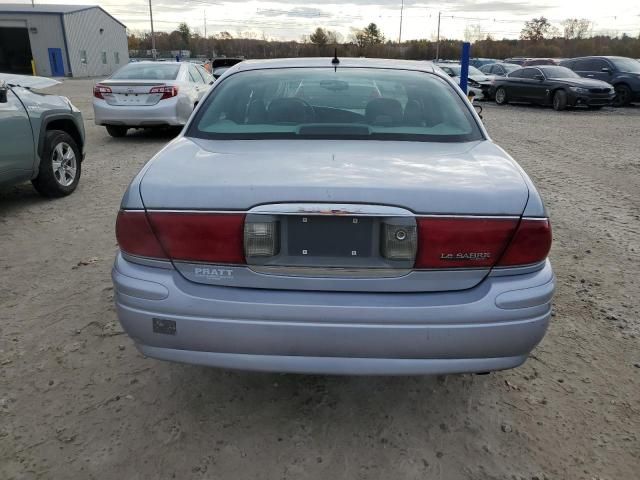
[290,19]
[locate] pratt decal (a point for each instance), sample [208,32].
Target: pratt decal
[211,273]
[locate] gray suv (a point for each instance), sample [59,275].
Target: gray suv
[42,136]
[621,72]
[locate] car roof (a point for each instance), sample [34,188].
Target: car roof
[610,57]
[162,62]
[345,62]
[544,67]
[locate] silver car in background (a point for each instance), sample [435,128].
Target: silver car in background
[478,83]
[149,94]
[294,229]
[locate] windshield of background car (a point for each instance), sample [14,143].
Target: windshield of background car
[559,72]
[626,65]
[350,103]
[147,71]
[510,67]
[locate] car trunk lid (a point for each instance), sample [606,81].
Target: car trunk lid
[474,178]
[333,206]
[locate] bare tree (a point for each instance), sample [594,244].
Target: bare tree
[333,37]
[473,33]
[576,28]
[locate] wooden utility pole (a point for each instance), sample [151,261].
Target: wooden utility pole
[438,39]
[153,36]
[401,12]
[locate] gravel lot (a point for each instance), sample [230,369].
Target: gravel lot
[78,401]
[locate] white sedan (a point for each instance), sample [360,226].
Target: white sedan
[149,94]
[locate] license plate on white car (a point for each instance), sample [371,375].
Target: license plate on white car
[131,99]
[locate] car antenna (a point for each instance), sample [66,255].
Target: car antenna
[336,61]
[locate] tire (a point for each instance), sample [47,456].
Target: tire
[623,96]
[117,131]
[60,165]
[560,100]
[501,96]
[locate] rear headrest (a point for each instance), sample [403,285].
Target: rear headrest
[257,112]
[383,111]
[287,110]
[413,114]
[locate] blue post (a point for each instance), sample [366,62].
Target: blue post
[464,63]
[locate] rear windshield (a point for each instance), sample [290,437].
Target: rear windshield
[323,103]
[146,71]
[219,71]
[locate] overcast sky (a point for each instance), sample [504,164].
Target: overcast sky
[290,19]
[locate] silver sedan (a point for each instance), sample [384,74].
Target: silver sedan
[303,222]
[149,94]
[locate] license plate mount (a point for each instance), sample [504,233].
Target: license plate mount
[330,236]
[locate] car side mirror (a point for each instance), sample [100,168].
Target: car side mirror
[539,77]
[212,82]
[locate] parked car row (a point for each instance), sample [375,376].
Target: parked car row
[521,61]
[539,80]
[621,72]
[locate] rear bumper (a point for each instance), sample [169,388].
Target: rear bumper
[334,365]
[493,326]
[164,113]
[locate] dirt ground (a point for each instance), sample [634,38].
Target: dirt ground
[77,401]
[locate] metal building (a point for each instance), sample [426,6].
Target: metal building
[61,40]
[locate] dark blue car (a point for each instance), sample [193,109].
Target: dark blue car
[621,72]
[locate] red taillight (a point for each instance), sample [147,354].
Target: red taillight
[530,244]
[100,90]
[135,235]
[465,242]
[166,91]
[200,237]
